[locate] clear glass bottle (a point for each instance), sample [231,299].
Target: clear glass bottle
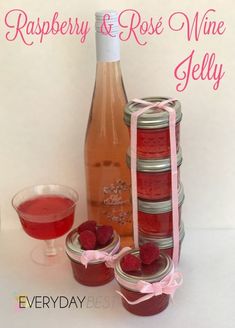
[107,139]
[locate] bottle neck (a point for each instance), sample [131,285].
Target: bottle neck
[109,72]
[108,69]
[109,80]
[107,48]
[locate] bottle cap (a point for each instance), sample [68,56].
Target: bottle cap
[106,22]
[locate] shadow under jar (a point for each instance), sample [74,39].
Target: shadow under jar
[153,136]
[96,273]
[165,244]
[152,273]
[157,217]
[154,177]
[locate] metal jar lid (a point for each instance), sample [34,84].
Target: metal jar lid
[154,165]
[163,243]
[153,118]
[163,266]
[160,207]
[73,245]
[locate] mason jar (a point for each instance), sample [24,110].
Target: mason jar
[157,217]
[165,244]
[154,177]
[152,273]
[97,272]
[153,136]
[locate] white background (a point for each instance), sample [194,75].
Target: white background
[45,96]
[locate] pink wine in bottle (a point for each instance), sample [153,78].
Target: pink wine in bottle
[107,139]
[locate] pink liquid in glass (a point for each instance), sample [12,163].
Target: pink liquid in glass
[47,217]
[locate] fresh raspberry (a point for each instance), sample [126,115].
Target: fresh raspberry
[149,252]
[104,235]
[87,225]
[130,263]
[87,239]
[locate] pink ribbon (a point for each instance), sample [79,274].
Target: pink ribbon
[92,255]
[173,154]
[167,285]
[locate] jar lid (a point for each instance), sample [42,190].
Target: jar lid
[162,242]
[154,165]
[160,207]
[152,118]
[149,273]
[73,246]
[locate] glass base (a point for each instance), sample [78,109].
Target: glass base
[40,257]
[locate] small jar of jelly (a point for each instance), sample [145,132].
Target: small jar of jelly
[156,217]
[154,177]
[96,273]
[165,244]
[151,273]
[153,136]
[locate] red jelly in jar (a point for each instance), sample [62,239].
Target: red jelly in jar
[154,177]
[156,217]
[151,273]
[165,244]
[96,273]
[153,136]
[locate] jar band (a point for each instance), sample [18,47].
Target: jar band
[96,255]
[173,156]
[167,285]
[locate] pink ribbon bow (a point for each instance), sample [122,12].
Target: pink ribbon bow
[167,285]
[92,255]
[108,258]
[173,151]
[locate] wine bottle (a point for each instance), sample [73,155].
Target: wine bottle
[107,137]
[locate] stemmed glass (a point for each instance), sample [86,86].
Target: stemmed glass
[46,212]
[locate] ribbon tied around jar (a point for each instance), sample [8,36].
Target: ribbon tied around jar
[164,105]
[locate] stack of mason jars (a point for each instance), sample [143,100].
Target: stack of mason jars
[154,174]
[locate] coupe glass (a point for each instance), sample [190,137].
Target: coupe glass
[46,212]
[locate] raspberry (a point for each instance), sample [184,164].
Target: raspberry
[149,252]
[87,225]
[104,235]
[87,239]
[130,263]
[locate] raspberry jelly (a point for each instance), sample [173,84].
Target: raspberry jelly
[156,217]
[165,244]
[153,137]
[154,177]
[96,273]
[152,273]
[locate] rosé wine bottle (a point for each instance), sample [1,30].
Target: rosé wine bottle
[107,139]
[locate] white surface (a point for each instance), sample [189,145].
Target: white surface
[45,95]
[46,90]
[206,299]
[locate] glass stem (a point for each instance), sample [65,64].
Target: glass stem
[50,248]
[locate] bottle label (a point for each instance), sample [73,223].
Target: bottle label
[107,48]
[116,196]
